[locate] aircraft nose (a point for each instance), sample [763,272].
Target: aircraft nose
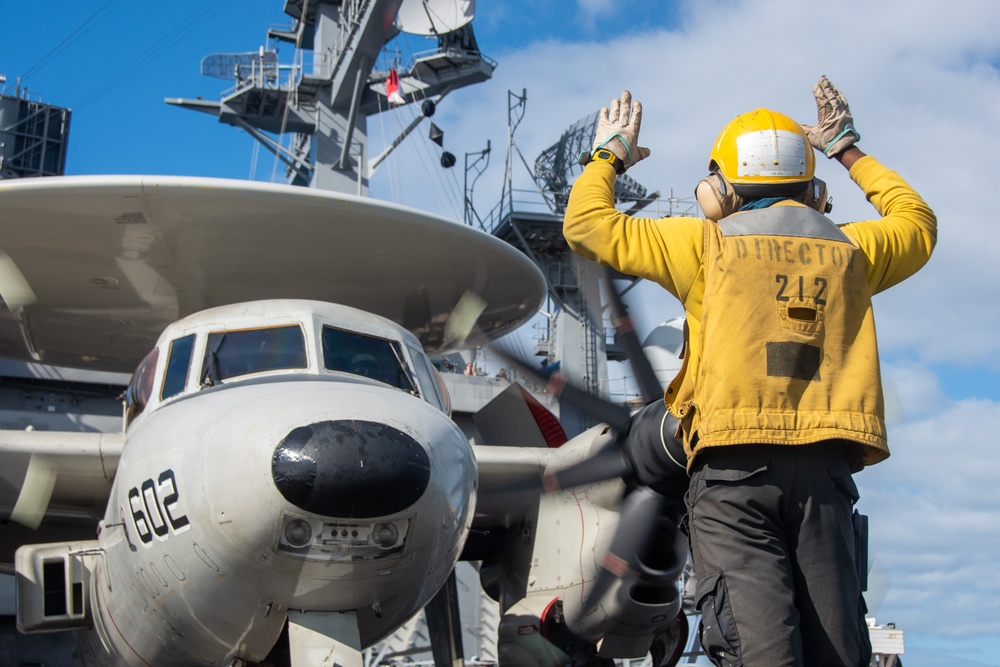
[350,469]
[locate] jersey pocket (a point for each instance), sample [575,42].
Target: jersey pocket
[801,316]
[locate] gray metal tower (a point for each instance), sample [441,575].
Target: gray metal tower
[327,94]
[576,335]
[33,135]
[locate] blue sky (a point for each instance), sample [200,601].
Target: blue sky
[925,91]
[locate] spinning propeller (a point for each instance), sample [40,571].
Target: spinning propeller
[644,454]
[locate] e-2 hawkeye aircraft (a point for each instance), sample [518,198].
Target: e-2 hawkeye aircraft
[289,488]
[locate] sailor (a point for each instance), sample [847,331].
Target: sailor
[779,397]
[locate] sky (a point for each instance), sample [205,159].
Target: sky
[922,81]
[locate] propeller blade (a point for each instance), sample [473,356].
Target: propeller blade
[14,287]
[614,415]
[640,511]
[657,455]
[649,385]
[463,318]
[36,491]
[608,463]
[879,583]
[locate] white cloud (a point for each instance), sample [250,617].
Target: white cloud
[912,393]
[591,10]
[933,508]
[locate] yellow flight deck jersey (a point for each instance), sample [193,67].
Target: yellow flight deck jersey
[781,339]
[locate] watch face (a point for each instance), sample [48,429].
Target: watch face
[604,155]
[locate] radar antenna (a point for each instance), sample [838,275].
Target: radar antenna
[559,164]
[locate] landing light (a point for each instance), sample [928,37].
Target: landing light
[385,535]
[298,533]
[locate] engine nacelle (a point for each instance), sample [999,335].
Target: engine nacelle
[640,604]
[563,546]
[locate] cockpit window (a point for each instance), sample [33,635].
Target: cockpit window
[178,363]
[371,357]
[230,354]
[140,387]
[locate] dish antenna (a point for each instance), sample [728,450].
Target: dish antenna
[434,17]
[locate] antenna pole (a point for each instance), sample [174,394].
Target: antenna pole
[470,209]
[515,113]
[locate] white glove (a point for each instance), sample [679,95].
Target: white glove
[835,130]
[618,131]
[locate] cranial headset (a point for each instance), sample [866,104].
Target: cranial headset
[718,197]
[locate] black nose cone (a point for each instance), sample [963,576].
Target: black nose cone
[350,469]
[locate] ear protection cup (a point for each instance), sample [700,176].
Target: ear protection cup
[816,197]
[717,197]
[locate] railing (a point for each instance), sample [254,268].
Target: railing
[20,92]
[533,201]
[267,75]
[452,52]
[522,201]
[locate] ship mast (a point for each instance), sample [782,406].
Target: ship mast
[327,94]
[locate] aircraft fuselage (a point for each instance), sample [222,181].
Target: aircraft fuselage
[307,489]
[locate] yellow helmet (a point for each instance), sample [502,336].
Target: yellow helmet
[763,153]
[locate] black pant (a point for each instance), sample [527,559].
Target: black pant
[773,547]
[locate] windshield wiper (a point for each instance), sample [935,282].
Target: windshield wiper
[212,366]
[406,370]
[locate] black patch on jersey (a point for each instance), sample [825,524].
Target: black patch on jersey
[794,360]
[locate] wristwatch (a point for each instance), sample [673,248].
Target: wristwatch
[604,155]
